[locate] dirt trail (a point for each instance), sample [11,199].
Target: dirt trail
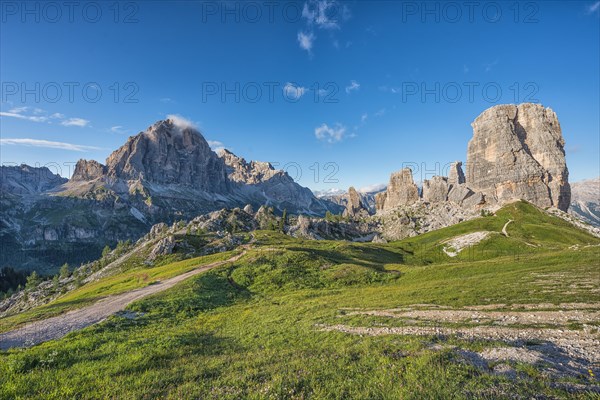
[504,227]
[57,327]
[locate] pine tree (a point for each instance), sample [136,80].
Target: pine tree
[33,280]
[105,251]
[64,271]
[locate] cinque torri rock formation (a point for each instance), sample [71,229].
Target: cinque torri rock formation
[516,153]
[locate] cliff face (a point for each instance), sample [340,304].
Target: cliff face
[517,152]
[171,155]
[401,191]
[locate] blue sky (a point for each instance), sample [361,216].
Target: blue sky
[353,90]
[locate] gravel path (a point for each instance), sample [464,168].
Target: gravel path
[504,227]
[57,327]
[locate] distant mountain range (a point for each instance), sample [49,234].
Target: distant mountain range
[585,200]
[163,174]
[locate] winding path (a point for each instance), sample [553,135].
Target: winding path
[57,327]
[504,227]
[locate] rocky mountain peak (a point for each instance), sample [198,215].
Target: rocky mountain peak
[87,170]
[169,153]
[254,172]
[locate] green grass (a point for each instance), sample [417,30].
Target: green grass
[90,293]
[249,329]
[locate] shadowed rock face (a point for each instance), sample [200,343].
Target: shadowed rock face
[169,154]
[517,152]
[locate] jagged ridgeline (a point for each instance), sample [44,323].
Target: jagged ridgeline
[163,174]
[169,173]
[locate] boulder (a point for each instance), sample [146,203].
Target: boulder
[436,189]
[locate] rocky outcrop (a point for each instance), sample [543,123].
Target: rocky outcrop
[260,183]
[456,175]
[436,189]
[401,191]
[517,152]
[87,170]
[354,205]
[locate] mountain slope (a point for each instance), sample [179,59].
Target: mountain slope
[585,200]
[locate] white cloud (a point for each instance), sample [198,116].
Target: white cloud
[118,129]
[216,145]
[592,8]
[18,110]
[330,134]
[364,117]
[47,144]
[293,92]
[380,113]
[353,86]
[32,118]
[57,116]
[306,40]
[490,66]
[377,187]
[80,122]
[167,100]
[325,14]
[181,122]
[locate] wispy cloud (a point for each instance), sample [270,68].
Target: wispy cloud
[321,14]
[166,100]
[47,144]
[80,122]
[592,8]
[380,113]
[490,66]
[33,118]
[118,129]
[216,145]
[182,122]
[352,87]
[293,92]
[363,118]
[329,134]
[40,115]
[306,40]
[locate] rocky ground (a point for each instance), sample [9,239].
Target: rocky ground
[560,341]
